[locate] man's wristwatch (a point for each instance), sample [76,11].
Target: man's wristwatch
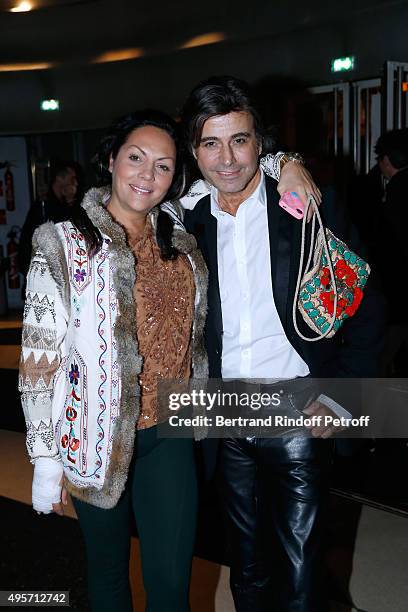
[273,164]
[291,157]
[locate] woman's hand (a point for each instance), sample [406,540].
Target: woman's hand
[295,177]
[59,507]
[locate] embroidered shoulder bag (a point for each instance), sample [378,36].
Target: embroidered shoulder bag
[330,288]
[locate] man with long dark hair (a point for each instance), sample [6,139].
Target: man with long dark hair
[273,489]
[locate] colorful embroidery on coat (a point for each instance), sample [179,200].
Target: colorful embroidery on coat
[80,270]
[102,332]
[73,426]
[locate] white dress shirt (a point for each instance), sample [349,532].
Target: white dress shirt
[254,341]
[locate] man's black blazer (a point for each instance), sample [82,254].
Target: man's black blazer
[354,351]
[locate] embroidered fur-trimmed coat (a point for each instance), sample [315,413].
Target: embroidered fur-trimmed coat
[80,362]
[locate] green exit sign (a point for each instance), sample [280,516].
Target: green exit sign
[343,64]
[50,105]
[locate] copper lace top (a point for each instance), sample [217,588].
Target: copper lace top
[164,295]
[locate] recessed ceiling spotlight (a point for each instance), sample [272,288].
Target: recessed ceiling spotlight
[22,66]
[204,39]
[118,55]
[22,7]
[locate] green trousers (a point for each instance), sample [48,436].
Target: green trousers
[161,492]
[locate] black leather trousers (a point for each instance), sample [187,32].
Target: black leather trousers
[274,492]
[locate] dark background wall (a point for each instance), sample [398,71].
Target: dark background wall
[293,39]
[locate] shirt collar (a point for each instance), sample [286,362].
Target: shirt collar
[258,195]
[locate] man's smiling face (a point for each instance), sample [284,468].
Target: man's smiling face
[228,151]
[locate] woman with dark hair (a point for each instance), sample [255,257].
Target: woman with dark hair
[116,301]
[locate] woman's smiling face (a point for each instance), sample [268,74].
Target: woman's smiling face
[142,171]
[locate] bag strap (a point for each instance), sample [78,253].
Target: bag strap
[311,203]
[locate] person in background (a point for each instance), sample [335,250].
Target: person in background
[64,192]
[390,253]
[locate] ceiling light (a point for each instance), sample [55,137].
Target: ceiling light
[22,7]
[119,55]
[19,67]
[204,39]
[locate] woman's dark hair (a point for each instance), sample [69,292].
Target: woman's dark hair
[109,147]
[92,236]
[218,95]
